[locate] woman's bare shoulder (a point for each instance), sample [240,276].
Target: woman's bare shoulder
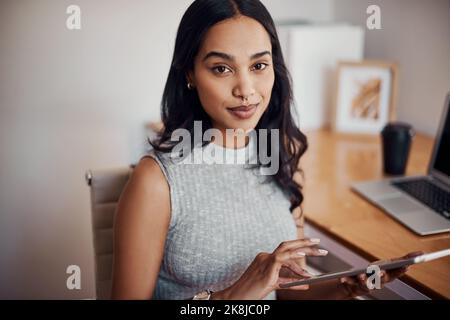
[148,175]
[147,191]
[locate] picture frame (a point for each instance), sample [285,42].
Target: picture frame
[365,96]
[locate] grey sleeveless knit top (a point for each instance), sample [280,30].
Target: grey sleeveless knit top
[222,216]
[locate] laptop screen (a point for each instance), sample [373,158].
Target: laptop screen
[442,160]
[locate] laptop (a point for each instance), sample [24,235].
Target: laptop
[421,203]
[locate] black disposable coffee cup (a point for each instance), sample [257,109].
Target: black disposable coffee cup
[396,143]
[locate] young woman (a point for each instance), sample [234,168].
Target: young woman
[221,231]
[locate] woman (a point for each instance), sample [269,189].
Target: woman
[221,231]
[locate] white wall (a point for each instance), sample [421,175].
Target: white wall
[415,34]
[304,10]
[70,100]
[73,100]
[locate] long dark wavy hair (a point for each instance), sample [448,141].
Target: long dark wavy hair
[180,107]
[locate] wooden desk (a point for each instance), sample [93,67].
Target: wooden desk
[334,161]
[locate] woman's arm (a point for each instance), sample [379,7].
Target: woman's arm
[140,231]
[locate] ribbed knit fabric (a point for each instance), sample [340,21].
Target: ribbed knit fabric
[222,216]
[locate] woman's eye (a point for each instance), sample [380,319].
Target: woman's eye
[220,69]
[262,66]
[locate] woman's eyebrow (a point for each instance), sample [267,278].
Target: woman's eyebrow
[232,58]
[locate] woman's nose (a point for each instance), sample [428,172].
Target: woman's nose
[244,87]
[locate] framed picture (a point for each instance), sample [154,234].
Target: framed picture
[365,96]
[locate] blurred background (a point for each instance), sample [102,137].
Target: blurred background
[71,100]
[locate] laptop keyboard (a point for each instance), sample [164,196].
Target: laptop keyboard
[428,193]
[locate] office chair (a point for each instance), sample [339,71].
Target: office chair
[105,187]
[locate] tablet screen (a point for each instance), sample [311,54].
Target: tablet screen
[389,265]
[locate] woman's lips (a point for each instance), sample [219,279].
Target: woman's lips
[243,112]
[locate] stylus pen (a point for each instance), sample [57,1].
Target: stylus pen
[432,256]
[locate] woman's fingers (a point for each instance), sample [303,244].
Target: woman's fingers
[286,255]
[298,248]
[297,270]
[362,278]
[349,281]
[308,251]
[384,277]
[360,282]
[349,285]
[298,243]
[296,253]
[282,280]
[393,274]
[356,285]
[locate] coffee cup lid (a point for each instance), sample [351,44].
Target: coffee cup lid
[398,126]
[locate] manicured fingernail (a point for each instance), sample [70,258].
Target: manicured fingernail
[322,251]
[315,240]
[301,253]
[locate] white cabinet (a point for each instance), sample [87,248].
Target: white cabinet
[311,53]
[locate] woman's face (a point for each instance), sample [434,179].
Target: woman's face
[234,62]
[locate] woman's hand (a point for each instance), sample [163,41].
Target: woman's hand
[265,273]
[357,286]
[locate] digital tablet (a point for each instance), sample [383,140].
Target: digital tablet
[389,265]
